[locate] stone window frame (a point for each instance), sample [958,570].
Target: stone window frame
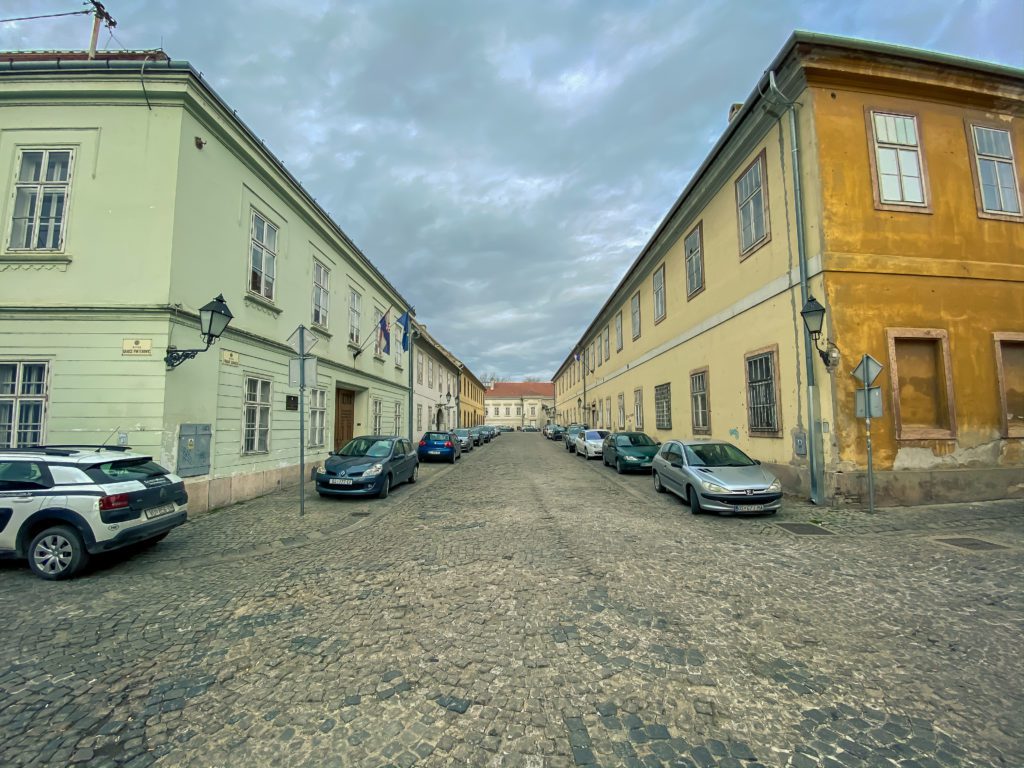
[773,350]
[998,338]
[762,158]
[876,189]
[942,337]
[969,124]
[16,183]
[705,430]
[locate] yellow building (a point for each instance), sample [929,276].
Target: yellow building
[471,398]
[905,225]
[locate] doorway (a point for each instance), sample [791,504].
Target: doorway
[344,416]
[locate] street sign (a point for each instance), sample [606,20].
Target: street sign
[302,333]
[293,372]
[867,370]
[874,398]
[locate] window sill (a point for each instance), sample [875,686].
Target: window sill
[776,435]
[354,346]
[378,357]
[261,303]
[255,453]
[1001,216]
[319,330]
[42,258]
[926,434]
[755,247]
[902,207]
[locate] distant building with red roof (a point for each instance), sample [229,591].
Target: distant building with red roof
[519,404]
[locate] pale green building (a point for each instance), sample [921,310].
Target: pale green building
[134,195]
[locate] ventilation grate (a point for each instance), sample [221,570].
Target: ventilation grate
[805,529]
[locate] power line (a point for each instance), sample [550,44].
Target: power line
[46,16]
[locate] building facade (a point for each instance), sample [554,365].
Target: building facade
[519,404]
[471,398]
[885,183]
[436,384]
[134,195]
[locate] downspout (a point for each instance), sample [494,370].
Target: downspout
[412,365]
[815,452]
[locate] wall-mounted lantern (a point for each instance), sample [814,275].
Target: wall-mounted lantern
[213,320]
[814,319]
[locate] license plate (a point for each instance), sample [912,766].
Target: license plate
[163,509]
[341,481]
[434,453]
[751,508]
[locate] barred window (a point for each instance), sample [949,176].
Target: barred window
[638,408]
[663,406]
[256,416]
[699,402]
[22,403]
[317,416]
[762,409]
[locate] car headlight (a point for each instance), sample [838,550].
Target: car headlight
[775,486]
[375,470]
[713,487]
[631,458]
[321,469]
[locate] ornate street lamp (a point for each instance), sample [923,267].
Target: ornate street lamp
[213,320]
[814,319]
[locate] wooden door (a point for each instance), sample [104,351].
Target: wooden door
[344,416]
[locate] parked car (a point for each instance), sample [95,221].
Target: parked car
[715,476]
[570,436]
[439,446]
[485,433]
[61,504]
[465,439]
[555,432]
[370,465]
[589,442]
[628,451]
[530,428]
[478,435]
[495,431]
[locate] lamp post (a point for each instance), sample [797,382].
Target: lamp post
[213,320]
[813,314]
[814,318]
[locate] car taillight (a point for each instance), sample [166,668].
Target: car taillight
[116,501]
[422,443]
[447,443]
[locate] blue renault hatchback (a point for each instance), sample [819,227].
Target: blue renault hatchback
[439,446]
[368,466]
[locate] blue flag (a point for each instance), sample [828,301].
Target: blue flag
[385,332]
[404,322]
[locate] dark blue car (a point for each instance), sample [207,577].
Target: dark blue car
[368,466]
[439,446]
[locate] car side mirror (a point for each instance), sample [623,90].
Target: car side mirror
[677,464]
[757,461]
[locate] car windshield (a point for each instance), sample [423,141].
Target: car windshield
[634,441]
[595,434]
[462,432]
[367,446]
[716,455]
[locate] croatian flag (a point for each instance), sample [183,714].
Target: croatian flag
[385,332]
[403,321]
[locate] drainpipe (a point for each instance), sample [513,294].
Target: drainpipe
[815,451]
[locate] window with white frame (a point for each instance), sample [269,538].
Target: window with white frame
[750,200]
[508,410]
[898,159]
[41,193]
[663,406]
[419,417]
[622,410]
[23,394]
[638,408]
[398,417]
[699,402]
[634,310]
[693,245]
[263,256]
[397,335]
[659,294]
[419,367]
[762,397]
[256,416]
[355,308]
[533,410]
[378,333]
[600,350]
[618,331]
[317,417]
[377,412]
[608,412]
[321,293]
[430,372]
[519,410]
[607,343]
[997,177]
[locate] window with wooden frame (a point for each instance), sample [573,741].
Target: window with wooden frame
[752,206]
[263,256]
[700,403]
[659,294]
[42,189]
[638,408]
[693,246]
[618,331]
[663,406]
[256,416]
[1010,373]
[922,383]
[899,180]
[761,370]
[996,184]
[634,310]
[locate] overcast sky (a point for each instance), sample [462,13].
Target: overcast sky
[502,163]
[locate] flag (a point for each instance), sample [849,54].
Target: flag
[385,332]
[404,322]
[576,357]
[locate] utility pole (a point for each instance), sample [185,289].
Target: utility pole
[99,15]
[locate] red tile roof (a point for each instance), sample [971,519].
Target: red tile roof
[521,389]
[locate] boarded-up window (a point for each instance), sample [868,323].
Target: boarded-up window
[922,395]
[1010,361]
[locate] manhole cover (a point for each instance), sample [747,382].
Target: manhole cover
[969,543]
[804,529]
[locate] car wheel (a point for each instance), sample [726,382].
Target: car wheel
[694,499]
[657,483]
[618,467]
[57,553]
[452,459]
[385,488]
[415,473]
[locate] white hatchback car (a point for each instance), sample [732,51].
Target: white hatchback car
[589,442]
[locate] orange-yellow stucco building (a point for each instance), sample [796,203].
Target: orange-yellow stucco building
[885,182]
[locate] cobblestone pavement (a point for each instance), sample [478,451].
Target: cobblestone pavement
[527,608]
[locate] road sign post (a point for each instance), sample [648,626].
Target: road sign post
[866,372]
[301,341]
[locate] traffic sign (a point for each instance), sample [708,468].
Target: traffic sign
[300,335]
[293,372]
[867,370]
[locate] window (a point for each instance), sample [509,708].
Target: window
[355,303]
[663,406]
[419,417]
[1010,370]
[519,410]
[533,410]
[922,384]
[634,309]
[751,202]
[618,331]
[762,394]
[608,412]
[378,334]
[317,416]
[659,294]
[256,416]
[607,343]
[699,402]
[22,403]
[398,417]
[622,411]
[419,369]
[430,372]
[321,293]
[694,247]
[263,254]
[508,411]
[995,176]
[378,416]
[638,408]
[41,199]
[896,161]
[600,350]
[397,334]
[591,358]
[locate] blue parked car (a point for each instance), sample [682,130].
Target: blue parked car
[368,466]
[439,446]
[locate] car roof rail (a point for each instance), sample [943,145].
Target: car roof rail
[80,446]
[48,450]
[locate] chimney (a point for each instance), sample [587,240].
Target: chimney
[734,110]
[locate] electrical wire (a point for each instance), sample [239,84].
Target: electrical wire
[46,16]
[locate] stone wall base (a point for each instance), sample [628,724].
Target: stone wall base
[910,487]
[206,494]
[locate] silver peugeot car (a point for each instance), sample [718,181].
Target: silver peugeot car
[715,476]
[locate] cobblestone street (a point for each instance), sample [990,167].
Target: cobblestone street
[527,608]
